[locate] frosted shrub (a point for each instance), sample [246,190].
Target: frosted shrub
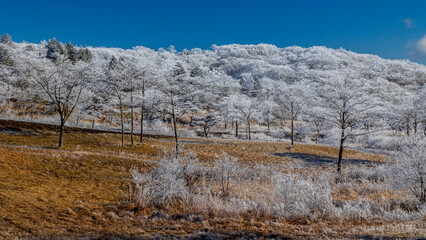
[279,133]
[374,174]
[384,142]
[225,169]
[332,136]
[408,172]
[300,197]
[305,133]
[261,137]
[172,180]
[355,210]
[159,128]
[187,133]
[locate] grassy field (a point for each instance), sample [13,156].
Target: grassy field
[81,190]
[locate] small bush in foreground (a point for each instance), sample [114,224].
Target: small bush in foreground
[409,169]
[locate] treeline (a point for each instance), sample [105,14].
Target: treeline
[317,93]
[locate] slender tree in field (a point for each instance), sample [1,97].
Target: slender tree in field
[144,82]
[62,83]
[122,75]
[245,108]
[176,96]
[290,99]
[343,102]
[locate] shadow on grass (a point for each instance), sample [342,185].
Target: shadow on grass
[312,160]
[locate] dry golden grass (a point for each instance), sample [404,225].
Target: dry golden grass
[75,191]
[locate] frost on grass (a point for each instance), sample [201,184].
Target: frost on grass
[227,188]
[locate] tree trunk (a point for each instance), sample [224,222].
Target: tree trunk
[131,119]
[342,141]
[292,133]
[423,190]
[61,132]
[236,129]
[77,121]
[122,122]
[408,126]
[317,136]
[424,128]
[175,130]
[205,131]
[164,116]
[249,130]
[93,123]
[142,116]
[415,124]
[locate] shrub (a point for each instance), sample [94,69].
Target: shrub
[172,180]
[187,133]
[159,128]
[279,133]
[409,169]
[225,168]
[261,137]
[302,197]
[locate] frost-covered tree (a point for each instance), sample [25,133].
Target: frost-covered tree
[72,53]
[206,122]
[343,102]
[6,39]
[177,95]
[61,83]
[245,108]
[290,99]
[54,50]
[145,81]
[122,79]
[408,172]
[5,58]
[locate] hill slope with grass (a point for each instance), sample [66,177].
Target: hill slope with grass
[89,189]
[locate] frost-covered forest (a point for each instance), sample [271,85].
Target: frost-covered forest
[254,95]
[309,94]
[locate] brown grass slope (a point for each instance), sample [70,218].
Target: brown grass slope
[75,192]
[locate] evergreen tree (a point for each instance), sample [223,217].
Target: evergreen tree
[243,86]
[257,88]
[54,49]
[196,72]
[72,53]
[85,55]
[5,58]
[179,70]
[6,38]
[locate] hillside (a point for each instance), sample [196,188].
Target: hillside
[232,142]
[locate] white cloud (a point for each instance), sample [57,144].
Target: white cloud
[409,23]
[421,45]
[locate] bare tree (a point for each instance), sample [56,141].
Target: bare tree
[122,79]
[242,107]
[290,99]
[176,99]
[343,102]
[207,122]
[144,82]
[63,84]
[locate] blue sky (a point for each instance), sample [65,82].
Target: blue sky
[390,29]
